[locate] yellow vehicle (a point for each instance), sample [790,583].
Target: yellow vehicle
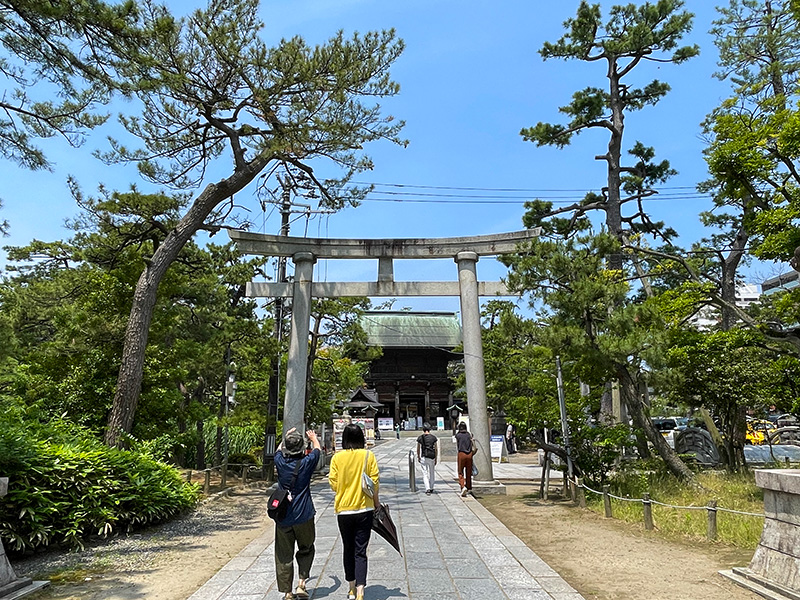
[757,430]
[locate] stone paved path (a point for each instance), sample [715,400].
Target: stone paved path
[453,548]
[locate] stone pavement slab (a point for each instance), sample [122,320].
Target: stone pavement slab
[453,548]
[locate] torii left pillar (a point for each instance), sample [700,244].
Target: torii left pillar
[295,399]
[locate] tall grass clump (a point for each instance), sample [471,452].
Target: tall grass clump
[65,486]
[731,491]
[242,439]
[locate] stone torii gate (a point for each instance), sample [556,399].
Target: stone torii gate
[466,251]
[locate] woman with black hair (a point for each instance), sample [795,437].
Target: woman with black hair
[352,506]
[464,460]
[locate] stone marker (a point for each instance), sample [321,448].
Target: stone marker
[775,566]
[11,586]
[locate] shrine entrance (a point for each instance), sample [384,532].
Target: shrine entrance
[465,251]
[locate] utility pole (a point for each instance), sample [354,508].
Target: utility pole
[562,409]
[275,368]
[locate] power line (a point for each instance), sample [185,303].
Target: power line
[490,189]
[499,200]
[527,196]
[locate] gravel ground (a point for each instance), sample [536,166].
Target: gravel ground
[145,549]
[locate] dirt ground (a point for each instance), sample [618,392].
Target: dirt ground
[606,559]
[603,559]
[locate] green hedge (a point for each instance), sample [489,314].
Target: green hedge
[65,486]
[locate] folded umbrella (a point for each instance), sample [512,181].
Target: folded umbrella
[383,525]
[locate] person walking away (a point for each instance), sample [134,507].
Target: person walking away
[427,456]
[353,507]
[464,461]
[297,527]
[510,446]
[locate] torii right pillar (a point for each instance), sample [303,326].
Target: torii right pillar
[475,373]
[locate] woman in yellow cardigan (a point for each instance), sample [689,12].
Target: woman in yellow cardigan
[352,506]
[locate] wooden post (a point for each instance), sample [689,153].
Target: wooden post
[546,476]
[711,530]
[207,484]
[565,488]
[189,476]
[787,462]
[245,471]
[581,493]
[223,474]
[648,512]
[607,501]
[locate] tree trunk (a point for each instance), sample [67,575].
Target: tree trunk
[641,419]
[200,459]
[178,455]
[129,380]
[613,159]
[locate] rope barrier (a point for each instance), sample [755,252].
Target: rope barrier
[718,508]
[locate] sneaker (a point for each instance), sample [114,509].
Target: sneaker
[428,492]
[301,592]
[288,596]
[351,595]
[464,492]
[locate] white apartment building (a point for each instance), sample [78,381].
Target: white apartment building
[709,316]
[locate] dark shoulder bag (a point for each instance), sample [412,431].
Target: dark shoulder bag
[279,499]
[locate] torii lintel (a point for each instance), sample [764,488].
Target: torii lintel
[280,245]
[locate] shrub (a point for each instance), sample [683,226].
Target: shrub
[65,486]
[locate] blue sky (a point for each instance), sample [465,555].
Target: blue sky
[470,78]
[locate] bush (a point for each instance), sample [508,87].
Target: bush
[65,486]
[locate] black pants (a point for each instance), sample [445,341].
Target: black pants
[355,529]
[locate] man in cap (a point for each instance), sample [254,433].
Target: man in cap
[297,527]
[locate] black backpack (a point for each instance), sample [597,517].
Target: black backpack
[429,445]
[279,499]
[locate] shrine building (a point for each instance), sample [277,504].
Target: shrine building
[411,378]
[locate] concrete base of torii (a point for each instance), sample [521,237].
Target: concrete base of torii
[488,487]
[20,588]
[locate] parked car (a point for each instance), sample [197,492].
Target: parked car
[667,426]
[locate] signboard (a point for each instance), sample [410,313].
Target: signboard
[497,446]
[385,423]
[440,423]
[368,425]
[338,427]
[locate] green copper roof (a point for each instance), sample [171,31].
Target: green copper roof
[406,329]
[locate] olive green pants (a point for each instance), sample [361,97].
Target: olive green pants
[303,535]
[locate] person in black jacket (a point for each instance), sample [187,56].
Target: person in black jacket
[427,455]
[297,527]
